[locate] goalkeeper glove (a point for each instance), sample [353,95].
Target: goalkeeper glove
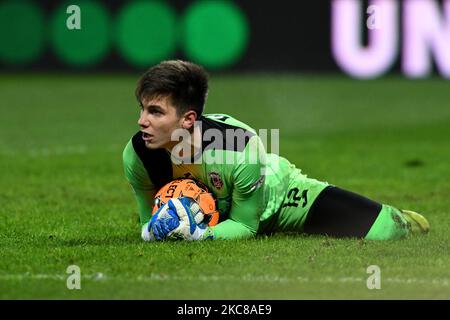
[190,216]
[161,224]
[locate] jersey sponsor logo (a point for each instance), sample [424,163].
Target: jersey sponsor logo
[216,180]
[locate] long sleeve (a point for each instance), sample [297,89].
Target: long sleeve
[144,191]
[247,198]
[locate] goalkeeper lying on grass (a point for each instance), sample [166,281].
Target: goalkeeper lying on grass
[255,195]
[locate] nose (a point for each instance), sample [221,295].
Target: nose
[143,121]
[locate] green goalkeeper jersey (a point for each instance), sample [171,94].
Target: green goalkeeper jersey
[249,183]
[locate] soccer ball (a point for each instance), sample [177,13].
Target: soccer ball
[191,189]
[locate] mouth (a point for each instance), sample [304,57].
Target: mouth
[146,136]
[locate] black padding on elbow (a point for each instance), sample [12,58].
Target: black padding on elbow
[340,213]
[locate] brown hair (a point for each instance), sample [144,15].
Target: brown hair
[185,83]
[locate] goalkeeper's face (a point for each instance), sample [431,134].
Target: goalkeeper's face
[158,119]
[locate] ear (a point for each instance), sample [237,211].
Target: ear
[188,119]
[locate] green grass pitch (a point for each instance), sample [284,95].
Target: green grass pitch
[64,199]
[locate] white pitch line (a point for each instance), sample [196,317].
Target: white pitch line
[155,277]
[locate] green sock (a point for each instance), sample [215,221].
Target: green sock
[389,225]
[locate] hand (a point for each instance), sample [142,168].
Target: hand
[190,220]
[161,224]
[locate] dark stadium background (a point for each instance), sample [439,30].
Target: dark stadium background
[282,36]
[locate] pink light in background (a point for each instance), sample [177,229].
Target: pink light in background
[348,51]
[426,32]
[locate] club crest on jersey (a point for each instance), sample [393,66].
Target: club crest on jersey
[215,179]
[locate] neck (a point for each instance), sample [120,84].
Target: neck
[188,147]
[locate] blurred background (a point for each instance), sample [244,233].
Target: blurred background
[364,39]
[307,68]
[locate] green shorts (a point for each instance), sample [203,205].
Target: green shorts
[299,197]
[371,220]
